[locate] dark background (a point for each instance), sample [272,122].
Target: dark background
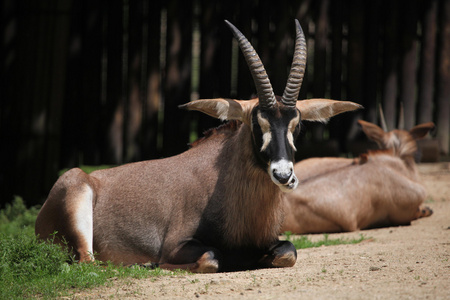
[98,82]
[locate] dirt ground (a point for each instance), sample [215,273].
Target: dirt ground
[407,262]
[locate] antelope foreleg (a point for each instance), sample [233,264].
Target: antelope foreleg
[195,257]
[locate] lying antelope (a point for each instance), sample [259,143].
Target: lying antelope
[379,188]
[214,207]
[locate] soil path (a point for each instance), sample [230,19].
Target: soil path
[407,262]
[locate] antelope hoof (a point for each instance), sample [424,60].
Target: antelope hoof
[285,260]
[424,211]
[207,263]
[283,255]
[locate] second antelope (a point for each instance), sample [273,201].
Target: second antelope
[379,188]
[215,207]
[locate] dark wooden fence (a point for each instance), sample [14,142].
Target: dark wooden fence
[99,82]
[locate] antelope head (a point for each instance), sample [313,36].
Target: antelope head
[274,121]
[401,141]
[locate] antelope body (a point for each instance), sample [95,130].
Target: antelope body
[379,188]
[214,207]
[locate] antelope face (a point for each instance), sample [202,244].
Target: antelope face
[274,133]
[276,120]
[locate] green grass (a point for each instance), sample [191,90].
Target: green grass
[302,242]
[16,219]
[30,268]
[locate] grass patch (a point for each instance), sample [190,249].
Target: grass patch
[30,268]
[16,219]
[302,242]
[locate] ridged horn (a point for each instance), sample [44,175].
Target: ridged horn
[295,79]
[263,87]
[382,119]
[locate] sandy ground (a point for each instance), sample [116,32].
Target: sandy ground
[407,262]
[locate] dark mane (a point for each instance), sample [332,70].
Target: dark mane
[230,126]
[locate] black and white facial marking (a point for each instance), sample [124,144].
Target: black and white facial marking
[274,133]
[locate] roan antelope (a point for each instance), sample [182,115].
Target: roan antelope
[379,188]
[214,207]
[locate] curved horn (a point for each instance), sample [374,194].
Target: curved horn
[259,74]
[295,79]
[382,119]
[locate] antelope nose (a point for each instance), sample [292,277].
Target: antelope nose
[282,177]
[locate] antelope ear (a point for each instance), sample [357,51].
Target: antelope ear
[322,110]
[373,132]
[222,108]
[421,130]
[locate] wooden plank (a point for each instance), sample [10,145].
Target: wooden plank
[9,102]
[427,62]
[125,99]
[177,76]
[279,60]
[443,86]
[336,63]
[371,72]
[215,57]
[408,61]
[355,66]
[320,50]
[60,28]
[336,20]
[319,85]
[70,138]
[137,11]
[82,116]
[356,47]
[264,18]
[151,85]
[245,86]
[31,97]
[390,63]
[114,98]
[21,34]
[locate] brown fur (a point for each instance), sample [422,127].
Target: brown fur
[210,207]
[379,188]
[254,195]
